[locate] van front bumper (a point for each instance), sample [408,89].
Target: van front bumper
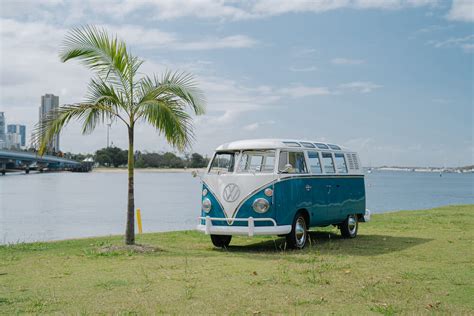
[249,230]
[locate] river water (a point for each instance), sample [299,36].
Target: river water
[53,206]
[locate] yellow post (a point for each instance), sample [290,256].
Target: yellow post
[139,220]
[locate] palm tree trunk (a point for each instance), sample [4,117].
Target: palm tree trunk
[130,230]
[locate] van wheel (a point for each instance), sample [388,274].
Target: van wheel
[349,227]
[298,236]
[221,241]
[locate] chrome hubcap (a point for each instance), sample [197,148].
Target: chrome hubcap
[352,223]
[300,232]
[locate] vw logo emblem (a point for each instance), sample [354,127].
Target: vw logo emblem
[231,192]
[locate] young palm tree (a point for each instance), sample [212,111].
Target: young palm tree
[120,93]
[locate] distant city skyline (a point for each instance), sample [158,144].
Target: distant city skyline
[11,135]
[20,130]
[392,80]
[2,127]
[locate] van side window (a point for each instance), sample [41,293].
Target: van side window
[340,163]
[257,161]
[314,163]
[328,163]
[293,158]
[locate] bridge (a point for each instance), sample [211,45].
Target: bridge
[32,161]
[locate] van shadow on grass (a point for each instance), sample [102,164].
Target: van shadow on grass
[362,245]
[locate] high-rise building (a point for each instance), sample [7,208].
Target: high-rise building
[2,126]
[18,129]
[49,102]
[13,141]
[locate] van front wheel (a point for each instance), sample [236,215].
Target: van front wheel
[349,227]
[221,241]
[298,236]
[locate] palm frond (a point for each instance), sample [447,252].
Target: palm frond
[180,86]
[55,120]
[100,91]
[107,56]
[171,120]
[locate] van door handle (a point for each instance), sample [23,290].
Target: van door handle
[308,187]
[328,186]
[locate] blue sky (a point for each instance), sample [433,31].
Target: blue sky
[391,79]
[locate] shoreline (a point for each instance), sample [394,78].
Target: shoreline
[151,170]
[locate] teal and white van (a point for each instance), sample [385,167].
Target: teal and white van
[281,187]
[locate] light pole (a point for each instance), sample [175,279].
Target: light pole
[108,128]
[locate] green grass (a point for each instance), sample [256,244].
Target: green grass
[416,262]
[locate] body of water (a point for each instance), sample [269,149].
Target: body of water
[53,206]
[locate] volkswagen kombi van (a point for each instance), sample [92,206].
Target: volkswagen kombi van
[281,187]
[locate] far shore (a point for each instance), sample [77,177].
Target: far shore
[157,170]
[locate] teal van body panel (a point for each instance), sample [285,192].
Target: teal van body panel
[327,199]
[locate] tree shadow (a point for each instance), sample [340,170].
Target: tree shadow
[328,242]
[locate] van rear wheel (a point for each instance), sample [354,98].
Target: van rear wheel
[298,236]
[350,226]
[221,241]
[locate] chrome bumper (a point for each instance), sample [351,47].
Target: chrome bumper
[249,230]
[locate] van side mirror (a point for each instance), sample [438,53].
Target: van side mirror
[194,173]
[287,168]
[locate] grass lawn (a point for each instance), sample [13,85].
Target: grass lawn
[412,262]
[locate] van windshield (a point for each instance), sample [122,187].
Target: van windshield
[262,161]
[223,162]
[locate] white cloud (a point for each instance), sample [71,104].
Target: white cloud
[347,61]
[152,38]
[265,8]
[461,10]
[234,41]
[301,91]
[228,102]
[75,10]
[303,52]
[173,9]
[466,43]
[360,86]
[254,126]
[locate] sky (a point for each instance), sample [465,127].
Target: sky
[391,79]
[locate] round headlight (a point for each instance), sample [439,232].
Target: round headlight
[268,192]
[204,192]
[206,205]
[260,205]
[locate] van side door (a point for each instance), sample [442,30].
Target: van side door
[293,190]
[319,191]
[331,185]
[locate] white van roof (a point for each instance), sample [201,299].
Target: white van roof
[278,143]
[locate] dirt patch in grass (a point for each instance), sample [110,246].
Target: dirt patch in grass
[137,248]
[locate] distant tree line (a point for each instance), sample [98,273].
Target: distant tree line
[116,157]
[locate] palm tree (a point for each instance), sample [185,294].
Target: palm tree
[118,92]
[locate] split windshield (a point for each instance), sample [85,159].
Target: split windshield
[251,161]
